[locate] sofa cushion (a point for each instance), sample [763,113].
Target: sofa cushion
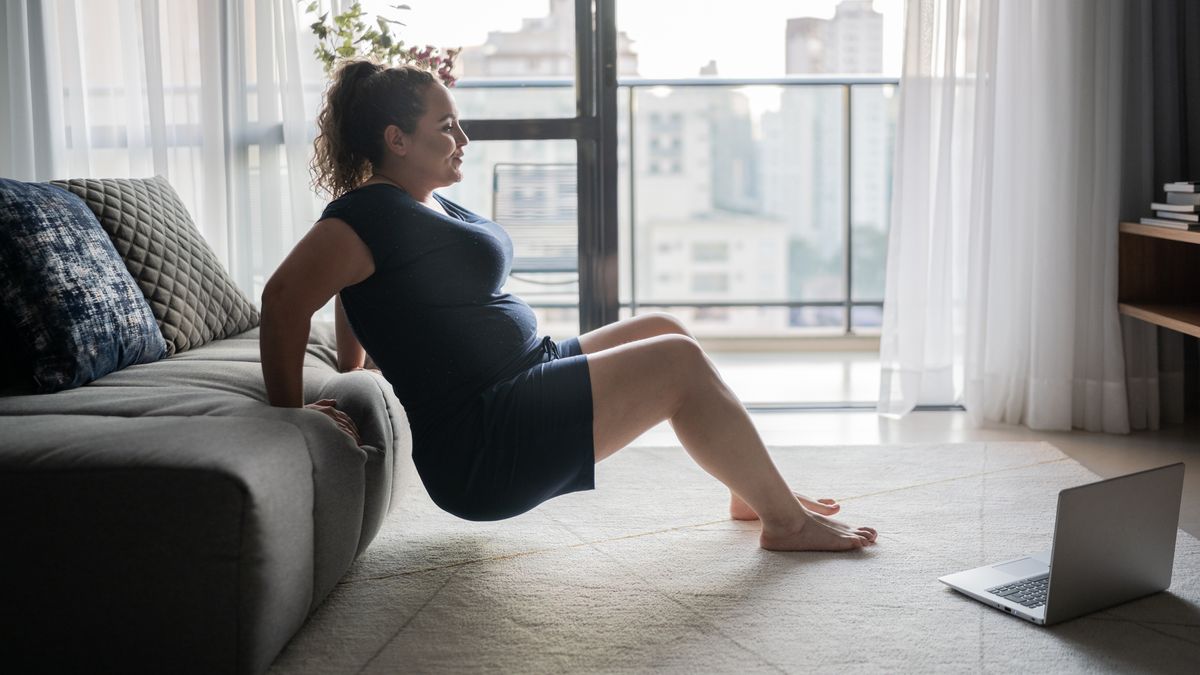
[193,297]
[74,312]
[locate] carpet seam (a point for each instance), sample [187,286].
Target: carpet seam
[405,624]
[694,613]
[952,479]
[1150,626]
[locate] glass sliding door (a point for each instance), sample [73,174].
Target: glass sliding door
[537,92]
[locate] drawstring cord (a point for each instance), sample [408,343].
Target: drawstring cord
[549,347]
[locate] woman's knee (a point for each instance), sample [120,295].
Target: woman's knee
[667,324]
[640,384]
[684,355]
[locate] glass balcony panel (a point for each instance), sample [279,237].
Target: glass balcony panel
[867,319]
[756,322]
[738,196]
[873,133]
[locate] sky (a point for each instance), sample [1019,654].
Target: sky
[673,38]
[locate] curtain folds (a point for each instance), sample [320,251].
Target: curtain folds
[1002,259]
[1162,144]
[219,98]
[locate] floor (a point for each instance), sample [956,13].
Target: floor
[641,575]
[853,377]
[635,584]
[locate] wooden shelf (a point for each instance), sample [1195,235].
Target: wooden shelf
[1159,278]
[1183,318]
[1160,232]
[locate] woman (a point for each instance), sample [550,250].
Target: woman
[501,420]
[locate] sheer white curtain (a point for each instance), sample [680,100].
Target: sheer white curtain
[218,97]
[1002,258]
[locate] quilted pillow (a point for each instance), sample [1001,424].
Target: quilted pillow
[72,309]
[192,296]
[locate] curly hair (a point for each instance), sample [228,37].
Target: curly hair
[363,98]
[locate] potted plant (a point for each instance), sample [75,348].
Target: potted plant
[350,35]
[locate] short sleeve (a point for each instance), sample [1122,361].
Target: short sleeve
[373,217]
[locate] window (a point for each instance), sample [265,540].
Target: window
[710,282]
[710,251]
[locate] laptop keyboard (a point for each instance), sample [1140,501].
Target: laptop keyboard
[1028,592]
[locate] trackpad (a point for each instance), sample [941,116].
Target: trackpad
[1024,567]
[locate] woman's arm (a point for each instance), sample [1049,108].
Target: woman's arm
[328,258]
[350,352]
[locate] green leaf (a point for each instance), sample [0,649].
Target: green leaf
[312,7]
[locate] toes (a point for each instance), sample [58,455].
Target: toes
[823,506]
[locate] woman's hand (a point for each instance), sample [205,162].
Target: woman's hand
[373,370]
[326,406]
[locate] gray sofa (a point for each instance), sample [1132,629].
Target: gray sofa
[165,518]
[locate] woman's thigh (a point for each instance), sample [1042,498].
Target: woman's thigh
[636,328]
[639,384]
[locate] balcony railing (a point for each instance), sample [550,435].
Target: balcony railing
[808,170]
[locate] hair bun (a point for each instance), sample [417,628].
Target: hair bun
[353,72]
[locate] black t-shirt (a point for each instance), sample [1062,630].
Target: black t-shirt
[433,316]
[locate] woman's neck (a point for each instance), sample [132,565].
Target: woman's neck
[417,192]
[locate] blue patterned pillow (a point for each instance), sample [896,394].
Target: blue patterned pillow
[74,311]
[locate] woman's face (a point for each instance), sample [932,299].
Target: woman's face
[434,150]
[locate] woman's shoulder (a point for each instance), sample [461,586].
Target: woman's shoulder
[370,192]
[370,197]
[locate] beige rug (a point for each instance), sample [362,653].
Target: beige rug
[647,573]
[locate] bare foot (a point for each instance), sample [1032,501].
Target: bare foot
[817,533]
[740,510]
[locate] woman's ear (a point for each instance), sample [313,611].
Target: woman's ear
[395,140]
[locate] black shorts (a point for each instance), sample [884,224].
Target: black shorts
[524,440]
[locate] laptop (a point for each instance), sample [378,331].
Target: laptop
[1114,541]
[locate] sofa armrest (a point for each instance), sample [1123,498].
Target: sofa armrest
[383,426]
[128,549]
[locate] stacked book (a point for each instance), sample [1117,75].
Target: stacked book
[1181,210]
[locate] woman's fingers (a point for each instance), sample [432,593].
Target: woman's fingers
[351,428]
[348,425]
[344,421]
[353,433]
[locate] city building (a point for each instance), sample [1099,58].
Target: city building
[804,150]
